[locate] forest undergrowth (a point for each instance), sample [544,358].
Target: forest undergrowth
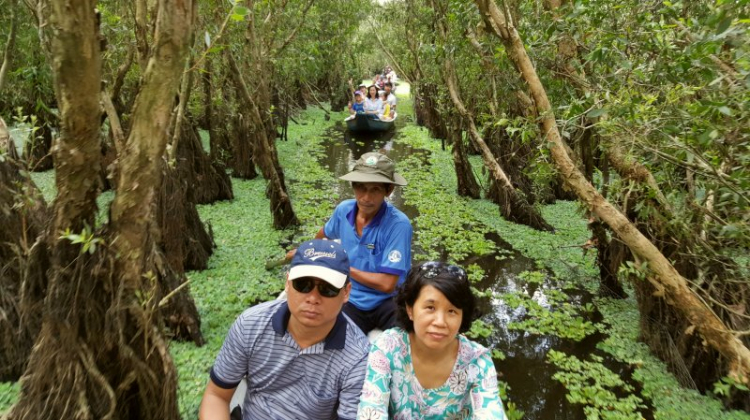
[236,277]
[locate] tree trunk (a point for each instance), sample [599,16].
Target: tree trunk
[23,218]
[264,155]
[100,352]
[513,205]
[185,244]
[662,275]
[425,108]
[37,150]
[467,183]
[10,44]
[207,181]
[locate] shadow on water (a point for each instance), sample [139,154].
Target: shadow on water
[525,369]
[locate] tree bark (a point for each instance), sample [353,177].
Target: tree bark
[23,219]
[513,206]
[662,275]
[467,183]
[100,352]
[10,44]
[264,154]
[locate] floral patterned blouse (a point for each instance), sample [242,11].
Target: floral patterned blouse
[392,391]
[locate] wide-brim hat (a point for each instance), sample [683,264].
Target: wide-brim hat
[322,259]
[374,167]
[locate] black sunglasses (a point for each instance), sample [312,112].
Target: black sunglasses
[432,269]
[306,284]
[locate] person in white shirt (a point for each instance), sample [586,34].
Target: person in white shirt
[373,104]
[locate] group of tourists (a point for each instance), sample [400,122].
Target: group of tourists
[308,357]
[378,103]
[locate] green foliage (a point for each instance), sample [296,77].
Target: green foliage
[552,250]
[659,387]
[432,186]
[590,383]
[479,329]
[8,395]
[725,385]
[314,191]
[85,238]
[511,411]
[548,312]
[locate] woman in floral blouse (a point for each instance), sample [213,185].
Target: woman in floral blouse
[426,369]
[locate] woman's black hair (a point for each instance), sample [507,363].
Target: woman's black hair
[450,280]
[376,92]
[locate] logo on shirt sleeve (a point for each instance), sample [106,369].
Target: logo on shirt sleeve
[394,256]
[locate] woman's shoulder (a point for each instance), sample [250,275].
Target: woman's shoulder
[392,339]
[470,351]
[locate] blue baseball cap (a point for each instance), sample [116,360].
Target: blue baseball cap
[322,259]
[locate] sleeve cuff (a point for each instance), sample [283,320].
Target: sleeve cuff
[391,270]
[222,384]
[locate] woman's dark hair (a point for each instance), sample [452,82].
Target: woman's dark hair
[376,91]
[450,280]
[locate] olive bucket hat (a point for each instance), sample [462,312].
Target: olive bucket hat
[374,167]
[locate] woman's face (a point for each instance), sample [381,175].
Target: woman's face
[373,92]
[436,319]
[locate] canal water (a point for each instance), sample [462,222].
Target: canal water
[524,368]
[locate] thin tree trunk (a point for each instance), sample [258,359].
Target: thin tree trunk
[467,182]
[7,53]
[264,156]
[513,205]
[662,275]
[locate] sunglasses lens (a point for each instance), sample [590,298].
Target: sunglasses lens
[303,285]
[326,290]
[432,269]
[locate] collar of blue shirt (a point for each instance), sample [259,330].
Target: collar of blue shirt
[351,216]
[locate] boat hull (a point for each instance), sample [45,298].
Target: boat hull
[362,123]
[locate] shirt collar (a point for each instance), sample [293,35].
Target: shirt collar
[351,216]
[335,340]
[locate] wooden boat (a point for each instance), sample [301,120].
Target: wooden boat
[360,123]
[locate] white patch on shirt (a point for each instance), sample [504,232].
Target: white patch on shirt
[394,256]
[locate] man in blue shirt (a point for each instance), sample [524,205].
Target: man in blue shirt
[377,237]
[301,357]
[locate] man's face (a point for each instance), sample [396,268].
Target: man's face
[311,309]
[370,196]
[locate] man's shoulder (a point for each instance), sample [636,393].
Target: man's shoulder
[397,216]
[346,204]
[357,343]
[260,312]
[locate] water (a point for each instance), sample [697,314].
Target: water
[525,369]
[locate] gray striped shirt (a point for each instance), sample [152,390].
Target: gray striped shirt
[323,381]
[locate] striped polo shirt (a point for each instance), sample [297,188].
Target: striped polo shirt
[323,381]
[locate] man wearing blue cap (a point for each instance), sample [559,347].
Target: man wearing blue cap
[302,358]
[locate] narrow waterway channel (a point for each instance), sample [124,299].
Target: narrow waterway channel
[532,388]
